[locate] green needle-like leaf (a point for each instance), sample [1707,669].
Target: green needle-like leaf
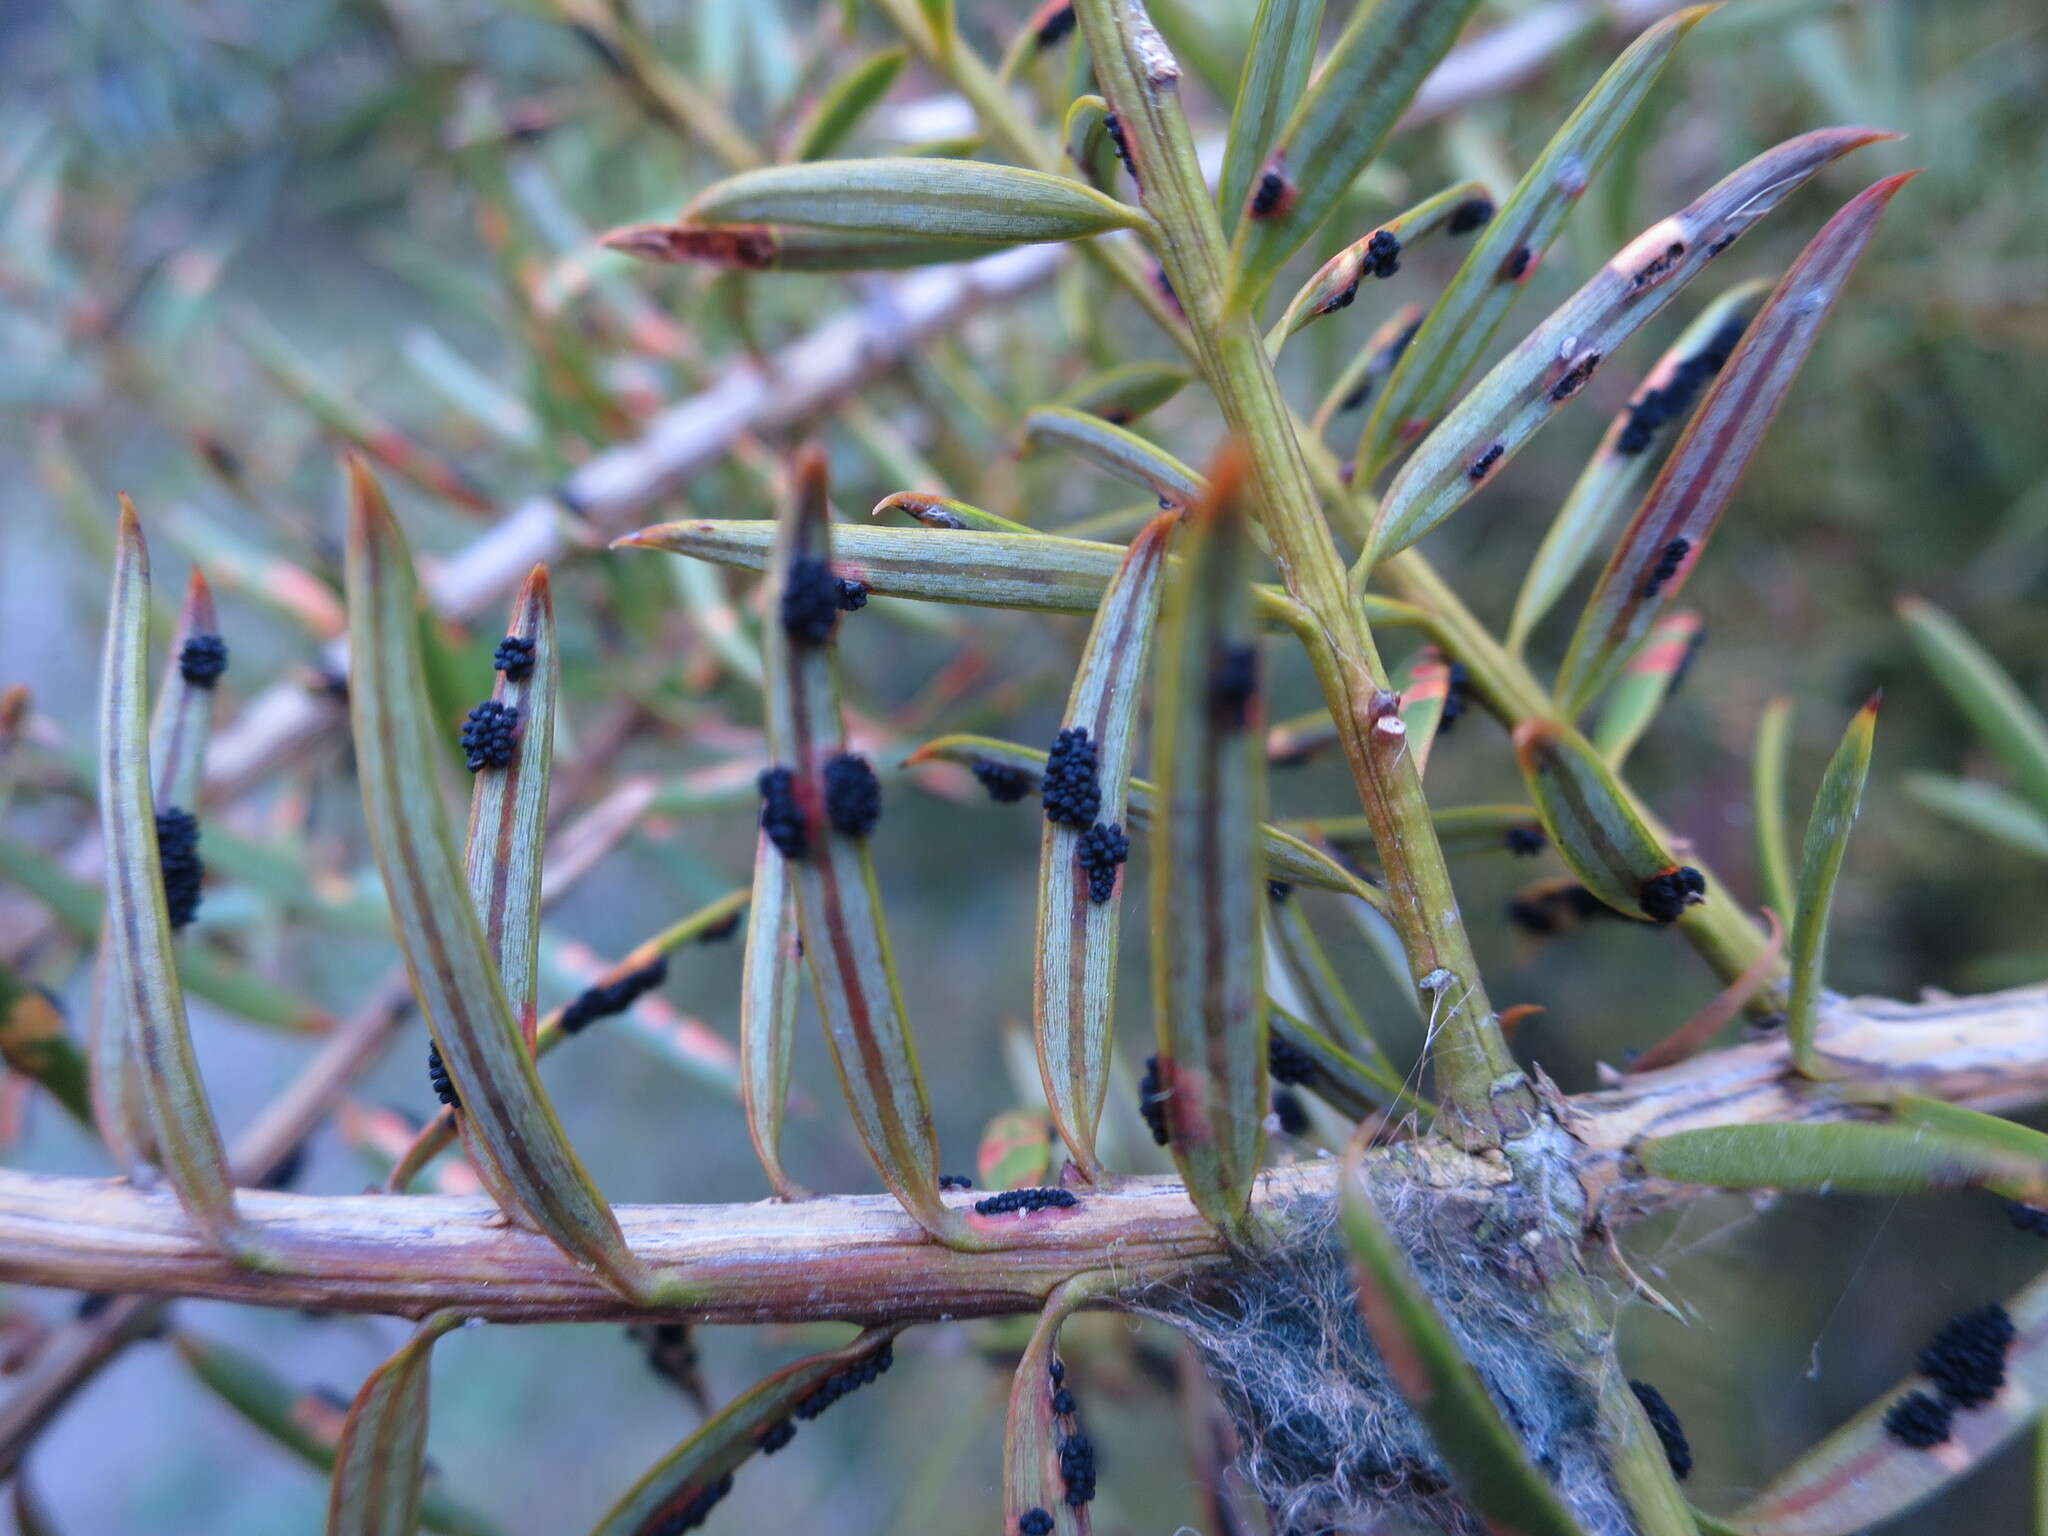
[1820,866]
[1592,822]
[1034,1429]
[1847,1157]
[846,102]
[1983,808]
[790,248]
[1663,544]
[774,962]
[1485,1457]
[1108,446]
[380,1463]
[454,974]
[1646,683]
[1989,699]
[952,199]
[1333,133]
[1074,999]
[1122,394]
[694,1476]
[1371,368]
[1208,863]
[839,909]
[1767,795]
[1276,67]
[1549,368]
[1509,249]
[145,1003]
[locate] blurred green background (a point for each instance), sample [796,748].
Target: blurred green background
[396,191]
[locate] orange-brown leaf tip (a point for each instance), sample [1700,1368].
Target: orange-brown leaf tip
[200,615]
[1512,1019]
[536,588]
[367,508]
[923,754]
[1692,16]
[131,522]
[1873,704]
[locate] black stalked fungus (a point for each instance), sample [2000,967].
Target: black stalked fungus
[696,1511]
[1522,842]
[177,849]
[1073,790]
[1473,213]
[1480,467]
[202,659]
[1290,1112]
[603,1002]
[1457,697]
[776,1436]
[1025,1200]
[848,1379]
[1278,890]
[1669,1432]
[782,819]
[1271,196]
[1663,897]
[1919,1420]
[437,1077]
[1383,253]
[2028,1218]
[1102,853]
[489,735]
[1288,1062]
[853,795]
[1034,1522]
[1077,1468]
[1669,559]
[1233,684]
[514,658]
[1115,130]
[1152,1101]
[1053,25]
[811,600]
[1517,264]
[1966,1358]
[1005,782]
[955,1181]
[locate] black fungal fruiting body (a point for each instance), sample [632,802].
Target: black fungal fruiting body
[1233,684]
[1054,25]
[1478,469]
[1542,913]
[853,595]
[1152,1101]
[1290,1112]
[437,1077]
[853,795]
[813,598]
[1919,1420]
[514,658]
[2028,1218]
[1034,1522]
[1288,1062]
[1669,1432]
[1073,789]
[1077,1468]
[1383,253]
[1457,697]
[782,819]
[697,1511]
[1655,407]
[602,1002]
[1102,852]
[202,659]
[1006,784]
[1473,213]
[848,1379]
[776,1436]
[1663,897]
[1278,890]
[1575,377]
[1270,196]
[1025,1200]
[1524,841]
[955,1181]
[1966,1358]
[1517,263]
[1115,130]
[177,850]
[489,735]
[1669,559]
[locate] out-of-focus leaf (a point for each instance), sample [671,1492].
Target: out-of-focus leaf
[1485,1456]
[1989,699]
[1616,470]
[1820,866]
[1371,368]
[1089,146]
[1288,857]
[308,1423]
[694,1476]
[1108,446]
[790,248]
[1588,815]
[449,960]
[1645,683]
[947,515]
[1509,249]
[1699,1031]
[850,98]
[242,567]
[774,963]
[1552,365]
[1861,1477]
[1333,132]
[145,1002]
[380,1464]
[1349,1085]
[1850,1157]
[839,910]
[1034,1430]
[1276,66]
[1208,861]
[34,1041]
[1767,794]
[1334,284]
[1983,808]
[1015,1150]
[1664,541]
[953,199]
[1074,999]
[1122,394]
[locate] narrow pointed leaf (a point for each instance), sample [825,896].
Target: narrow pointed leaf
[35,1043]
[954,199]
[1646,683]
[447,955]
[1074,1000]
[1861,1477]
[1371,368]
[1552,365]
[1108,446]
[774,964]
[697,1474]
[1288,857]
[790,248]
[1208,862]
[381,1461]
[1486,1460]
[144,1000]
[1820,866]
[1983,808]
[850,98]
[839,911]
[1989,699]
[1122,394]
[1767,785]
[1510,248]
[1623,460]
[947,515]
[1361,90]
[1334,284]
[1847,1157]
[1663,543]
[1590,819]
[1034,1428]
[1277,60]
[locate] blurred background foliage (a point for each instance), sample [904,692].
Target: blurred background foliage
[226,226]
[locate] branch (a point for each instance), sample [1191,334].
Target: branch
[860,1259]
